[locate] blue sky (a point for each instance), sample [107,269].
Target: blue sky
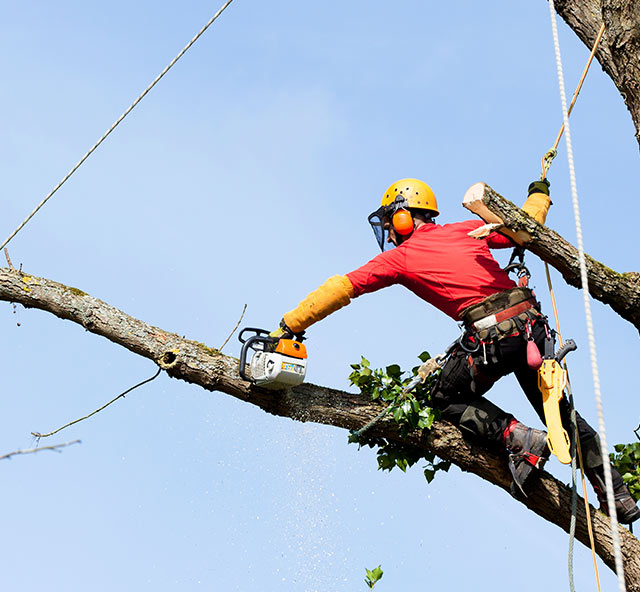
[246,176]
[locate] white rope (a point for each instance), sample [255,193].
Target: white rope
[117,122]
[587,309]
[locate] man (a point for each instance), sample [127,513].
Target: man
[457,274]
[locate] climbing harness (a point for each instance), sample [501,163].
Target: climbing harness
[519,267]
[585,289]
[117,122]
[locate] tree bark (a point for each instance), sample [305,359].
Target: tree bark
[196,363]
[621,291]
[619,50]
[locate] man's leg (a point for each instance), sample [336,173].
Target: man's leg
[458,394]
[589,441]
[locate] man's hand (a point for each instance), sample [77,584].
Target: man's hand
[282,332]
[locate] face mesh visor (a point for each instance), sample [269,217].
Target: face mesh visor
[377,221]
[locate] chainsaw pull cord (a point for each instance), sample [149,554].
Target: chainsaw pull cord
[374,421]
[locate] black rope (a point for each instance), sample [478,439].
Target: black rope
[121,395]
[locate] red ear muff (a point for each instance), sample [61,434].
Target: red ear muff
[402,222]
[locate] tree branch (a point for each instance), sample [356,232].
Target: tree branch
[53,447]
[621,291]
[196,363]
[619,51]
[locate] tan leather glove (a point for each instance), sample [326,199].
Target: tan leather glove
[335,293]
[538,202]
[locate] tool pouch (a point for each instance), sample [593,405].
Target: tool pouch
[496,303]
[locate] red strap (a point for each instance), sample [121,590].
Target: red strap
[532,459]
[513,311]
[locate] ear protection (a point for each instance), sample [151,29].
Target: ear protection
[402,222]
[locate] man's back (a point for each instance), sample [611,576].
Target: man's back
[440,264]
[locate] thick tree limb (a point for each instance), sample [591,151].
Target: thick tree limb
[619,51]
[621,291]
[196,363]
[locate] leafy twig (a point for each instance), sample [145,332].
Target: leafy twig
[408,408]
[55,448]
[373,576]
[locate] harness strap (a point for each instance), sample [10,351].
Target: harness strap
[503,315]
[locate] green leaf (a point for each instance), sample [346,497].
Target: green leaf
[424,356]
[394,371]
[364,362]
[353,438]
[429,474]
[443,465]
[398,414]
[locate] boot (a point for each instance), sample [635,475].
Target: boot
[626,509]
[527,449]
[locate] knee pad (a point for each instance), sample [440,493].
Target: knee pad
[591,452]
[477,418]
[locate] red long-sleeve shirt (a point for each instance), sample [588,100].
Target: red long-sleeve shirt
[441,265]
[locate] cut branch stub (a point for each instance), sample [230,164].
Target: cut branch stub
[621,291]
[168,359]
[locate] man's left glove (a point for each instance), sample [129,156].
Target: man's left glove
[538,202]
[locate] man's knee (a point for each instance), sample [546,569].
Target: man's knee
[483,419]
[591,452]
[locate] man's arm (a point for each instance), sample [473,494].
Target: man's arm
[339,290]
[335,293]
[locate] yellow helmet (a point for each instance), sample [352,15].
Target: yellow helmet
[417,194]
[404,195]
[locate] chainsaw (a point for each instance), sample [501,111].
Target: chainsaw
[276,363]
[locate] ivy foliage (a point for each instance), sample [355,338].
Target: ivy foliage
[373,576]
[410,411]
[626,460]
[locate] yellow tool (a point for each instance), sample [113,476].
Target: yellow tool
[552,380]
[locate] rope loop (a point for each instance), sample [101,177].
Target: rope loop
[547,159]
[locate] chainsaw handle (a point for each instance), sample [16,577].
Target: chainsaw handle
[260,336]
[569,346]
[256,333]
[246,346]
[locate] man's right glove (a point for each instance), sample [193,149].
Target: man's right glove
[282,332]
